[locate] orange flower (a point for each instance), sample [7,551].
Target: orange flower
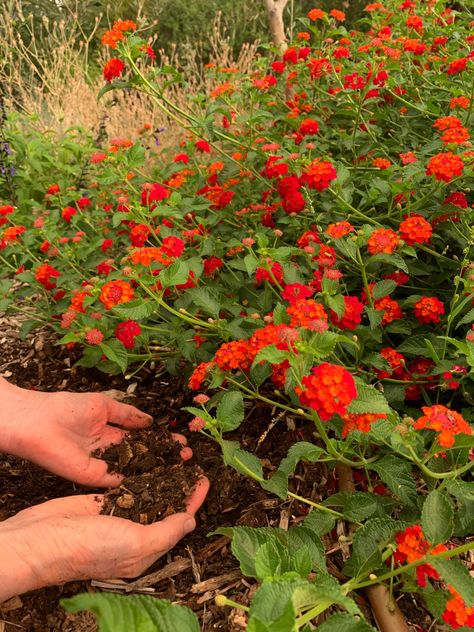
[115,292]
[112,38]
[415,229]
[329,390]
[233,355]
[13,232]
[459,102]
[340,229]
[455,136]
[382,240]
[340,16]
[445,166]
[307,313]
[316,14]
[412,546]
[199,374]
[381,163]
[448,423]
[456,613]
[392,310]
[362,422]
[318,175]
[428,309]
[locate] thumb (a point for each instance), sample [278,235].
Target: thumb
[164,535]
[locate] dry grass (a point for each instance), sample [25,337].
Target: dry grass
[46,71]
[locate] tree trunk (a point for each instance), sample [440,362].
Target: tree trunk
[275,10]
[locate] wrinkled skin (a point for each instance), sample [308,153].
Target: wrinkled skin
[66,539]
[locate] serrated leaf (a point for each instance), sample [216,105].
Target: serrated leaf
[454,573]
[135,310]
[337,304]
[393,259]
[140,613]
[272,355]
[320,522]
[345,623]
[383,288]
[437,518]
[397,474]
[467,318]
[435,601]
[368,400]
[355,506]
[300,451]
[115,352]
[244,462]
[368,543]
[246,541]
[203,299]
[230,411]
[271,560]
[460,489]
[114,85]
[175,274]
[302,537]
[416,345]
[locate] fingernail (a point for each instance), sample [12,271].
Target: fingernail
[189,525]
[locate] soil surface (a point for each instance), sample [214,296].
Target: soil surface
[199,567]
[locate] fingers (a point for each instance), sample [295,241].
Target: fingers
[85,505]
[198,495]
[126,415]
[110,435]
[186,453]
[164,535]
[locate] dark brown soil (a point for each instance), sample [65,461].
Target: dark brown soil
[157,481]
[199,567]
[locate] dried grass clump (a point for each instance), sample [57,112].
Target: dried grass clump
[46,71]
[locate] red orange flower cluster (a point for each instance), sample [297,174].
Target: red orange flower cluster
[456,613]
[445,166]
[116,34]
[382,240]
[446,422]
[428,309]
[328,390]
[126,332]
[114,293]
[412,546]
[309,314]
[318,175]
[361,422]
[415,229]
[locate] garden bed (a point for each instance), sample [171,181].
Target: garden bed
[199,567]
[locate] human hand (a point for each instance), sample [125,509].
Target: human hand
[66,539]
[59,431]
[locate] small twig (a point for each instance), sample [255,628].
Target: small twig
[170,570]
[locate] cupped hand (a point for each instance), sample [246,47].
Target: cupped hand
[59,431]
[66,539]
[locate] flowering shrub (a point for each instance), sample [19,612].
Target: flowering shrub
[309,244]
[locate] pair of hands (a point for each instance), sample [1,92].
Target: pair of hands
[67,538]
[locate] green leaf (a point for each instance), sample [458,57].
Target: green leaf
[271,560]
[437,518]
[435,600]
[375,316]
[383,288]
[118,613]
[355,506]
[203,298]
[461,489]
[345,623]
[230,411]
[114,85]
[115,352]
[397,474]
[454,573]
[467,318]
[242,461]
[416,345]
[175,274]
[136,310]
[368,543]
[319,521]
[300,451]
[302,537]
[368,400]
[394,259]
[246,541]
[272,355]
[337,304]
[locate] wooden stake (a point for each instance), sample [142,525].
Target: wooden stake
[275,10]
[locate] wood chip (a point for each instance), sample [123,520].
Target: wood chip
[170,570]
[12,604]
[216,582]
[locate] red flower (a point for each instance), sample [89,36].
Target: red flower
[396,361]
[316,14]
[139,235]
[273,276]
[339,229]
[415,230]
[44,273]
[428,309]
[447,423]
[381,163]
[412,546]
[309,127]
[392,310]
[126,332]
[329,390]
[456,613]
[445,166]
[106,244]
[457,66]
[173,246]
[295,291]
[115,292]
[94,336]
[456,199]
[153,192]
[113,68]
[382,240]
[203,146]
[352,315]
[459,102]
[307,313]
[318,175]
[211,265]
[361,422]
[199,375]
[68,213]
[233,355]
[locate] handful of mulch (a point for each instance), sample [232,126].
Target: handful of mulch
[157,481]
